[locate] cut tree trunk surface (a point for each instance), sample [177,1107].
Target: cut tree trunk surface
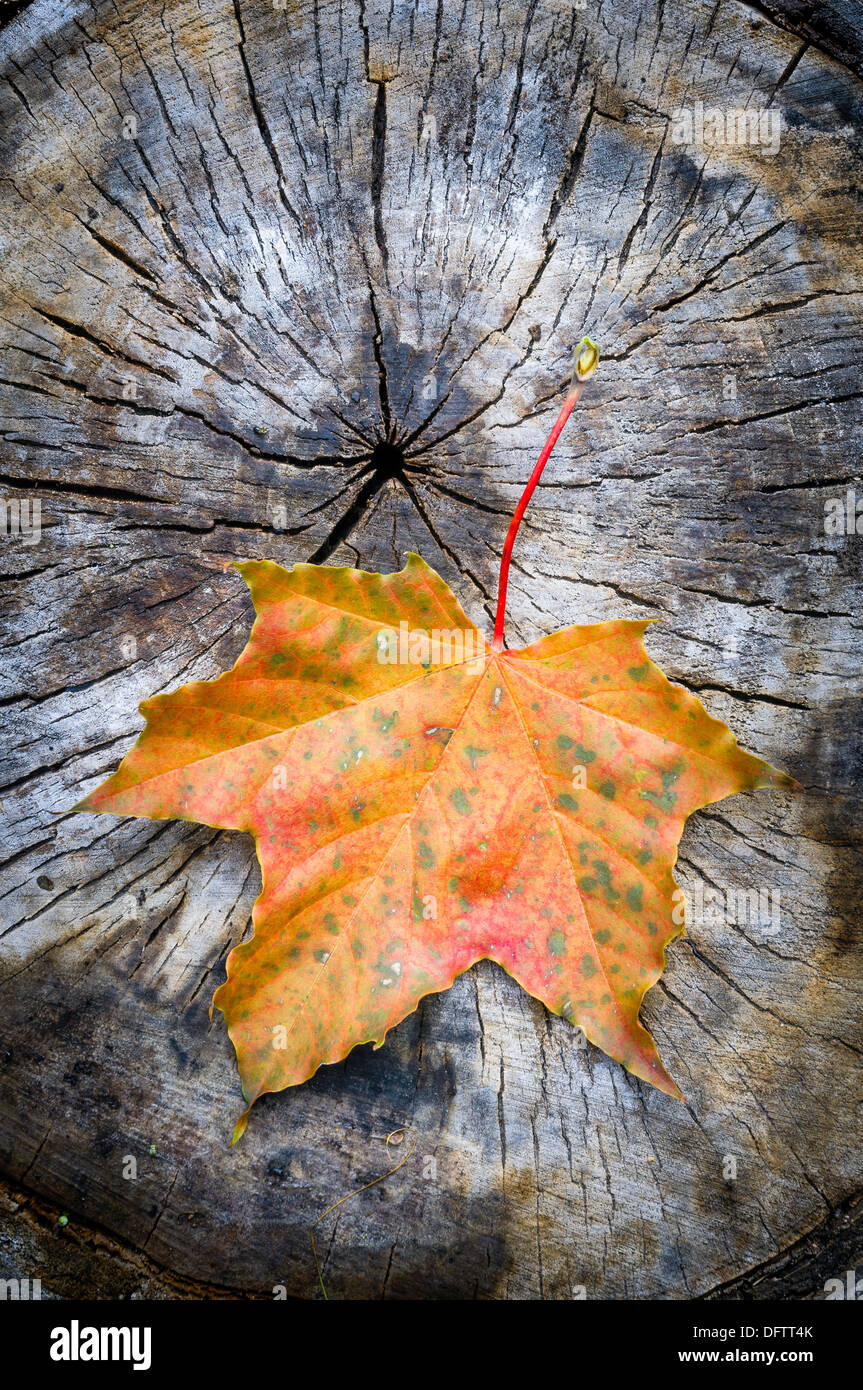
[302,282]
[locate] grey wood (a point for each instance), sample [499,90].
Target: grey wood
[243,245]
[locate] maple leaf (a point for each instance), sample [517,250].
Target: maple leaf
[419,806]
[411,820]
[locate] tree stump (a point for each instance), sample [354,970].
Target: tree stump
[302,281]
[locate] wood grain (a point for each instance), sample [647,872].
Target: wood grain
[303,283]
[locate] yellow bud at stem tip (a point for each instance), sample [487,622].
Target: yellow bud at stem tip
[586,360]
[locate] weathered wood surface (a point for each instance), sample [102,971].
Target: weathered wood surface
[240,247]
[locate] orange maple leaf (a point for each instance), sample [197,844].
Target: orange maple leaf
[410,820]
[421,801]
